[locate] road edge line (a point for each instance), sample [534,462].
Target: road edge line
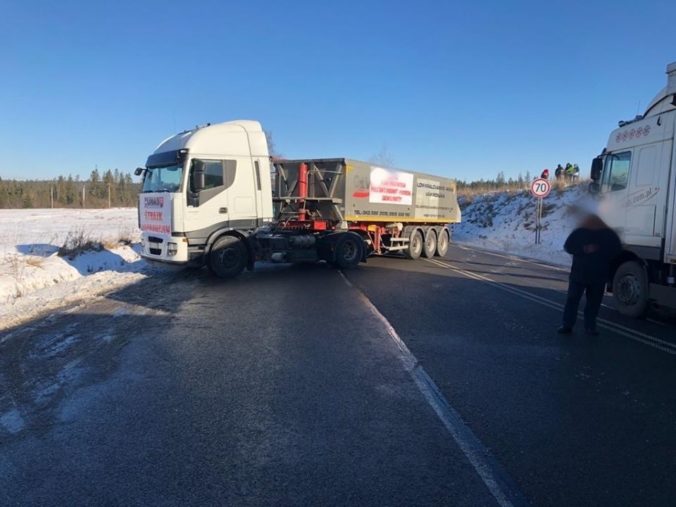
[495,478]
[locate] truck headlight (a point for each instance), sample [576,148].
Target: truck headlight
[172,249]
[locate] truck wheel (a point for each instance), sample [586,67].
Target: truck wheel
[630,289]
[349,250]
[442,243]
[430,245]
[415,245]
[228,257]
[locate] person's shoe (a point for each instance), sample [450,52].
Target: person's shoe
[564,330]
[591,332]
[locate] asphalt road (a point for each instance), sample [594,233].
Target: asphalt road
[434,382]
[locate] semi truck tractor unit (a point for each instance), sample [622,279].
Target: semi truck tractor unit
[636,178]
[213,196]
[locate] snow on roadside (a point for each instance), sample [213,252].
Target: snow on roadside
[34,278]
[504,222]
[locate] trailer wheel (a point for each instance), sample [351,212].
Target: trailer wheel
[442,243]
[228,257]
[630,289]
[349,250]
[430,245]
[415,245]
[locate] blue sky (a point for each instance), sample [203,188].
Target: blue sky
[464,89]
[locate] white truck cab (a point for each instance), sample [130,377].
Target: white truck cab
[200,182]
[635,177]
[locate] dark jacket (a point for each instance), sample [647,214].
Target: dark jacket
[593,246]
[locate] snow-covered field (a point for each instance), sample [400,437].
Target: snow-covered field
[505,222]
[34,278]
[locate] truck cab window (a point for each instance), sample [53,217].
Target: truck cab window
[217,173]
[616,171]
[213,174]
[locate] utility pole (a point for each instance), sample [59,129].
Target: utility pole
[51,196]
[109,195]
[83,195]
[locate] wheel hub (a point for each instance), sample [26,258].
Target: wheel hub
[629,290]
[229,257]
[349,250]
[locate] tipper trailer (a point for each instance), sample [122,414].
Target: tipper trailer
[635,176]
[213,196]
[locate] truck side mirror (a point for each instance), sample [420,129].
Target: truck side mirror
[138,171]
[197,175]
[596,168]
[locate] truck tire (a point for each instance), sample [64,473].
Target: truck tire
[631,289]
[430,245]
[442,243]
[415,245]
[228,257]
[349,250]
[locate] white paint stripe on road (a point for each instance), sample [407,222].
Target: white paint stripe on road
[511,257]
[526,260]
[500,485]
[632,334]
[553,267]
[619,328]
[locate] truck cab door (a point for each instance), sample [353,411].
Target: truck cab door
[670,204]
[208,206]
[243,196]
[646,199]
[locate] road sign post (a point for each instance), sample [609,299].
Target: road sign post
[539,189]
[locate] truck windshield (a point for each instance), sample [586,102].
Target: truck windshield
[163,179]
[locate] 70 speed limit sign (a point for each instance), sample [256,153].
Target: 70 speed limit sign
[540,188]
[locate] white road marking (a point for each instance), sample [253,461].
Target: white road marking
[503,489]
[511,257]
[632,334]
[524,260]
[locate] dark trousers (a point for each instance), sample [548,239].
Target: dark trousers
[594,295]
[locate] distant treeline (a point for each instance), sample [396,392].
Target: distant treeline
[110,188]
[499,183]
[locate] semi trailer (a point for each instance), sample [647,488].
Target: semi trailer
[213,196]
[635,177]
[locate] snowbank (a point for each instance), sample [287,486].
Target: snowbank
[505,222]
[35,278]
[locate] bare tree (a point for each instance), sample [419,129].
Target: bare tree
[272,149]
[383,157]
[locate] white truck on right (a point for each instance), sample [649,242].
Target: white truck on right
[635,177]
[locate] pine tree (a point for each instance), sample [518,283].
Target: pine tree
[70,194]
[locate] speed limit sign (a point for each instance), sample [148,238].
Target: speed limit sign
[540,188]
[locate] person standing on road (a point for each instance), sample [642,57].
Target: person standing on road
[593,245]
[558,173]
